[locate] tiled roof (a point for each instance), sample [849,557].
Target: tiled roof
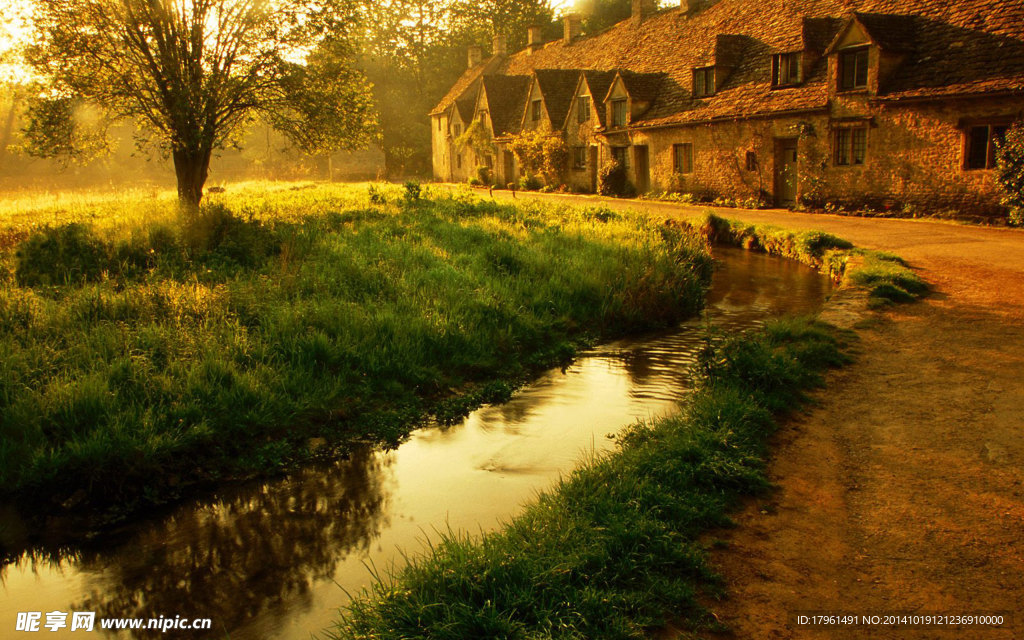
[642,86]
[466,85]
[952,47]
[890,32]
[557,86]
[506,97]
[467,103]
[599,83]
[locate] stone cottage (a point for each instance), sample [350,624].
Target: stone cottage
[886,103]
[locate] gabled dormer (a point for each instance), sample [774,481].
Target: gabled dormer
[708,78]
[629,97]
[867,51]
[587,108]
[500,103]
[549,99]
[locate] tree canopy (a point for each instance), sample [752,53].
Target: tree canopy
[194,71]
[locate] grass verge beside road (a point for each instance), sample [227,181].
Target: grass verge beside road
[612,548]
[886,277]
[141,352]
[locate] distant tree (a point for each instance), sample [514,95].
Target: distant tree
[194,71]
[1010,172]
[325,105]
[414,50]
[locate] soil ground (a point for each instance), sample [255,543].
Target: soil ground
[902,490]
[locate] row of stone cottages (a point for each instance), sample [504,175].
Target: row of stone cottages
[887,103]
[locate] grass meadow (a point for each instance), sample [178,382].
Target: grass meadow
[144,350]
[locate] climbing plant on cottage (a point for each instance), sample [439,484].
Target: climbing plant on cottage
[544,155]
[1010,172]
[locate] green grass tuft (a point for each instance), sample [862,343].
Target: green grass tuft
[217,344]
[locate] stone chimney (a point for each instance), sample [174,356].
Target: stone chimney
[643,9]
[476,55]
[534,40]
[499,45]
[692,6]
[573,27]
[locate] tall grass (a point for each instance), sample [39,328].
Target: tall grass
[614,547]
[182,350]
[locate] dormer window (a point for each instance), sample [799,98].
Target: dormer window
[583,109]
[703,82]
[785,69]
[853,69]
[535,110]
[619,113]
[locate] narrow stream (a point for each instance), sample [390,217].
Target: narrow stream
[274,559]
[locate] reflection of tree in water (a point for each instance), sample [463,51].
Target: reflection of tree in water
[231,560]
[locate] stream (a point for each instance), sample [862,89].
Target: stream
[277,558]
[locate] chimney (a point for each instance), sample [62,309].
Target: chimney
[534,39]
[573,27]
[690,6]
[642,9]
[476,55]
[499,45]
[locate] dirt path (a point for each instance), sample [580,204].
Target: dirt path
[903,490]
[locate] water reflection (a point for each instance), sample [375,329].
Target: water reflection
[265,561]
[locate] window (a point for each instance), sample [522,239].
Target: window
[535,113]
[785,69]
[853,69]
[980,146]
[456,130]
[583,109]
[621,155]
[751,161]
[458,161]
[704,82]
[851,146]
[439,124]
[682,158]
[618,113]
[579,158]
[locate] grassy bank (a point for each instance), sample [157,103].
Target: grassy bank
[886,277]
[141,351]
[612,548]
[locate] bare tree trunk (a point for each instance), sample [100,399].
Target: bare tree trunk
[330,167]
[191,168]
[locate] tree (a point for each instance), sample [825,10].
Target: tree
[325,105]
[1010,172]
[194,71]
[414,50]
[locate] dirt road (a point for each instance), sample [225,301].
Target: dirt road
[903,490]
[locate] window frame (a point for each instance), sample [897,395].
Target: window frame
[583,109]
[615,105]
[536,108]
[579,158]
[682,158]
[704,82]
[847,150]
[751,161]
[993,131]
[843,59]
[794,60]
